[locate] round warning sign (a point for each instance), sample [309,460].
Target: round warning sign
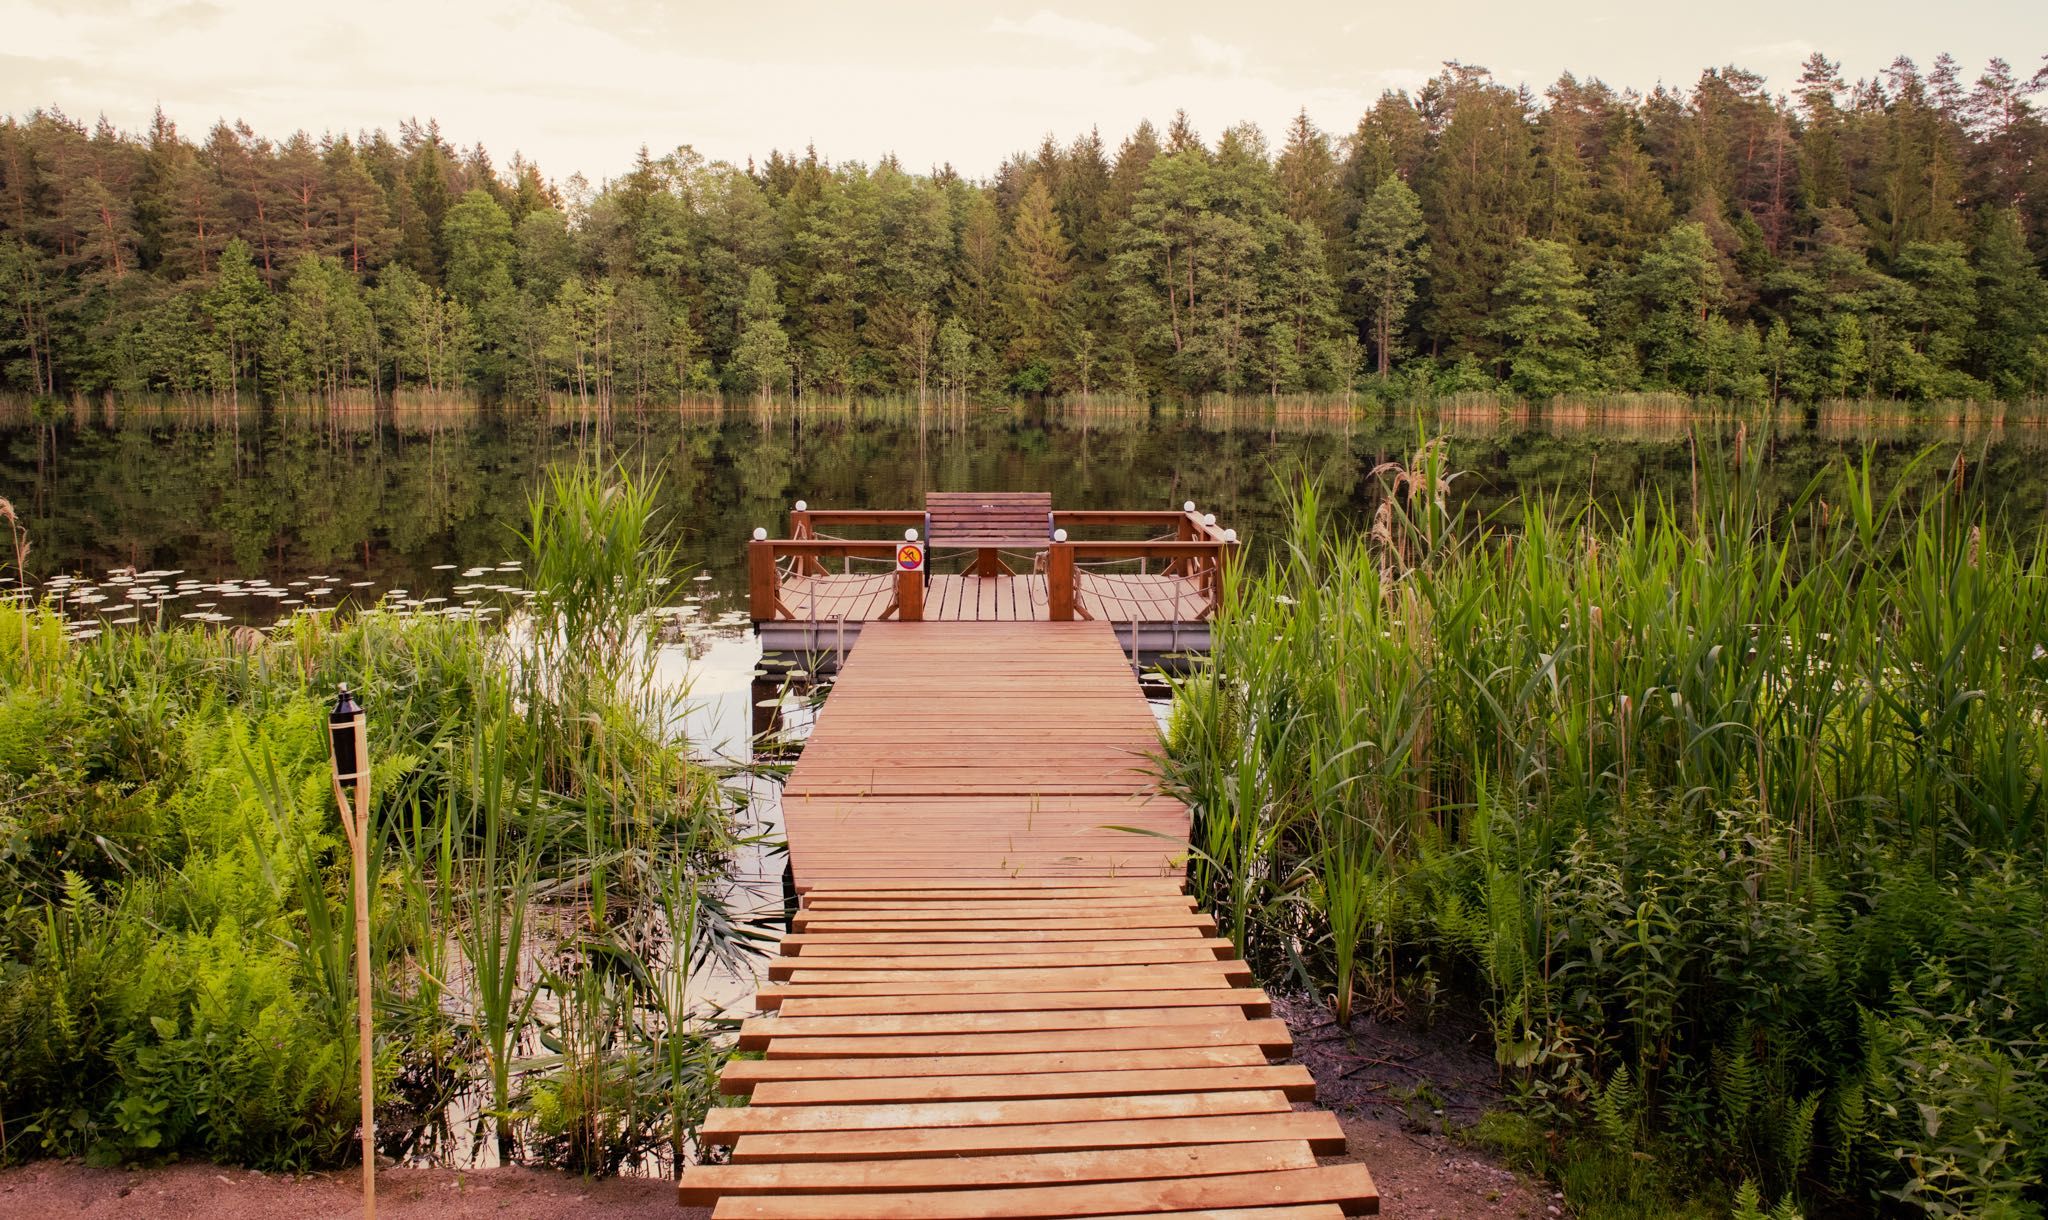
[909,557]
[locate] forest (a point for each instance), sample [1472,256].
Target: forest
[1881,238]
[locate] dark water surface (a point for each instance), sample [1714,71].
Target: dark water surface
[422,499]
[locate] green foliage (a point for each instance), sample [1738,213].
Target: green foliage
[1735,817]
[177,943]
[1543,302]
[1738,245]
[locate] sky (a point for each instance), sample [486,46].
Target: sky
[578,86]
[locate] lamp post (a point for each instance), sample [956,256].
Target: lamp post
[348,748]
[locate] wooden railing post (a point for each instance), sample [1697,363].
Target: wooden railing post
[761,579]
[1059,582]
[910,595]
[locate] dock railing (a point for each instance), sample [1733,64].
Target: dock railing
[1193,557]
[770,560]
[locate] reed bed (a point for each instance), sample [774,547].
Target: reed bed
[175,929]
[1730,813]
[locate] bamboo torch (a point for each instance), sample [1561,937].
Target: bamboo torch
[348,748]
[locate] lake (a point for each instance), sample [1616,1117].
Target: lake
[412,500]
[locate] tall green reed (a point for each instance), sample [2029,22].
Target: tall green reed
[1643,777]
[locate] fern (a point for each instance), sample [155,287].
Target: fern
[1614,1108]
[1795,1143]
[1736,1078]
[1749,1205]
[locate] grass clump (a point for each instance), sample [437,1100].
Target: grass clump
[1733,813]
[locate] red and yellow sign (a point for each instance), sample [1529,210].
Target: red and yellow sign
[909,557]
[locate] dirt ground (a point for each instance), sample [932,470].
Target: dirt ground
[58,1190]
[1395,1086]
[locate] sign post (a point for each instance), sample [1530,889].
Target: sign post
[910,556]
[348,749]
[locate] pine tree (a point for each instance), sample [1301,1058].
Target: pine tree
[1036,266]
[1390,255]
[1478,198]
[1823,179]
[2011,338]
[1629,210]
[1308,176]
[1564,132]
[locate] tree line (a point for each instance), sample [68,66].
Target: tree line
[1880,238]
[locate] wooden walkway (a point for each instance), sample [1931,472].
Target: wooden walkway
[994,1002]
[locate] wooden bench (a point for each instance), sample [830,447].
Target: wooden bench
[988,522]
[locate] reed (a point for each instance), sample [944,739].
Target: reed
[1678,790]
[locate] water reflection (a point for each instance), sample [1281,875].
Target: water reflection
[369,504]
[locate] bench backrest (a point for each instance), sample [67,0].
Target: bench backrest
[1015,519]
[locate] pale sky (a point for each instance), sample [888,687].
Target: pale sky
[579,85]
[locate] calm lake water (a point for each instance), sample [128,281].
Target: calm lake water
[413,500]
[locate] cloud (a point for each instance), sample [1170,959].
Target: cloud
[1085,35]
[1214,54]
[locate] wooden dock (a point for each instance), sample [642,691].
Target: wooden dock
[996,999]
[1014,558]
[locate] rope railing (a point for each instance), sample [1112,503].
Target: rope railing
[1177,573]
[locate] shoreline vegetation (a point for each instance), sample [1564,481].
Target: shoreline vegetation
[1434,414]
[1876,238]
[175,938]
[1731,816]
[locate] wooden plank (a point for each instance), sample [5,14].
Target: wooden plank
[1134,980]
[1349,1186]
[817,965]
[743,1075]
[1318,1128]
[1291,1079]
[723,1125]
[755,1032]
[1014,921]
[820,903]
[825,945]
[702,1185]
[1270,1037]
[1253,1001]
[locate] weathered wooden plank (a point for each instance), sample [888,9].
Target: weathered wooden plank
[722,1126]
[755,1032]
[703,1184]
[1290,1078]
[743,1075]
[817,965]
[1319,1128]
[1253,1001]
[1349,1186]
[825,946]
[1270,1037]
[854,922]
